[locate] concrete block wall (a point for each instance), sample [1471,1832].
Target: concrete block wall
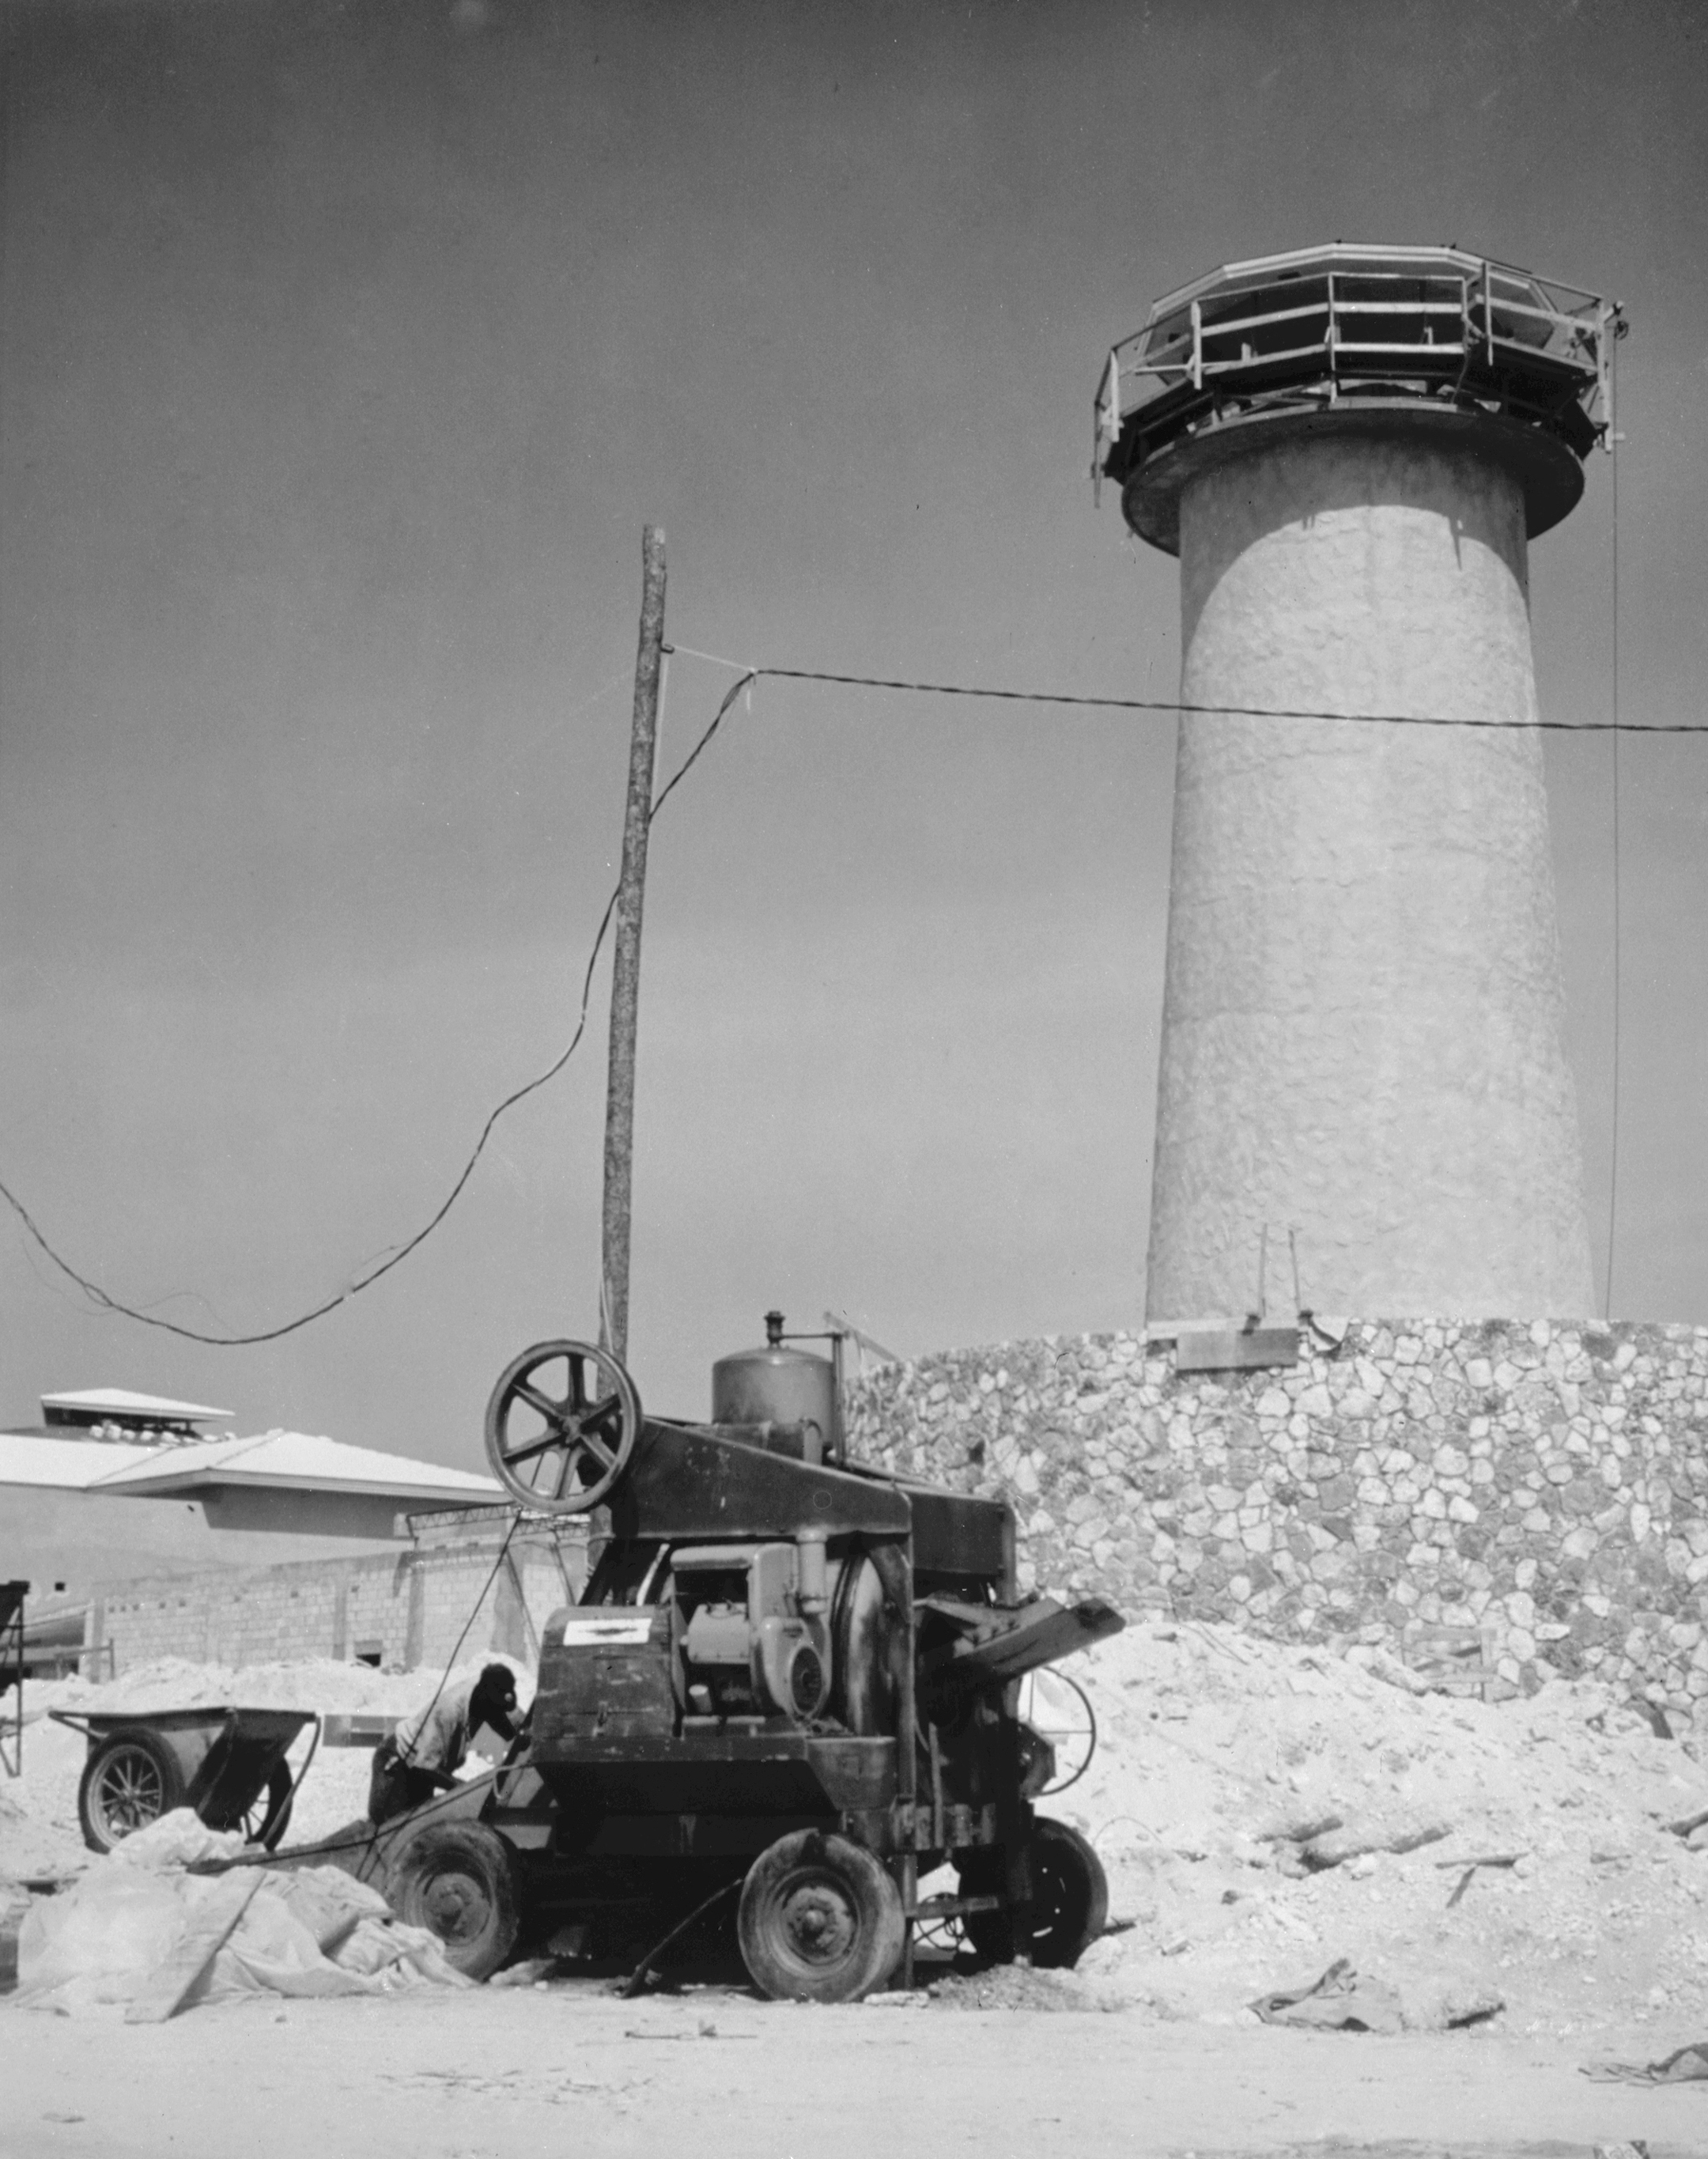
[409,1607]
[1543,1483]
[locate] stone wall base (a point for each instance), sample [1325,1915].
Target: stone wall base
[1543,1484]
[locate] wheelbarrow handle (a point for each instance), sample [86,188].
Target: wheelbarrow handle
[318,1723]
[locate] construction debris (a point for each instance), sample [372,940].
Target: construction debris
[1470,1867]
[1335,1847]
[1340,2001]
[1689,2065]
[1225,1763]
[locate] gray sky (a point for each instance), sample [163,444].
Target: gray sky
[342,354]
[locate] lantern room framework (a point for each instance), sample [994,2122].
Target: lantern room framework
[1351,330]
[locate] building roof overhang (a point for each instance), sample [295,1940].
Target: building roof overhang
[125,1405]
[275,1461]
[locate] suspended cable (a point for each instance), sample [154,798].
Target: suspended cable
[1224,711]
[107,1302]
[342,1840]
[1614,729]
[748,676]
[504,1551]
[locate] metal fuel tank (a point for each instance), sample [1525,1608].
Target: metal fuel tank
[777,1384]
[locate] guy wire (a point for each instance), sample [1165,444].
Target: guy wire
[107,1302]
[1613,1152]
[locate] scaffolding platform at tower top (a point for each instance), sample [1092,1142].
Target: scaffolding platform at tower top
[1310,329]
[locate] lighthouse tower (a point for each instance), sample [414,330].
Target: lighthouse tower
[1349,449]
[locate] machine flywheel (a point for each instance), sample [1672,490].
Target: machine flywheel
[561,1426]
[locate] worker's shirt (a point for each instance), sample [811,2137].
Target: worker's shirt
[437,1738]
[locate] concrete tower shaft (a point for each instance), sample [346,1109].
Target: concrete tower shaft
[1361,1036]
[1362,1023]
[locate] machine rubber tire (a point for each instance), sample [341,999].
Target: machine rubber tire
[129,1780]
[455,1879]
[1070,1902]
[820,1920]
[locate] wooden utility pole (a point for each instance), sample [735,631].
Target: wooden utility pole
[625,973]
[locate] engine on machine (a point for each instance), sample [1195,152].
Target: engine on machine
[753,1634]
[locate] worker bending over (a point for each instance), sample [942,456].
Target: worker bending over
[422,1755]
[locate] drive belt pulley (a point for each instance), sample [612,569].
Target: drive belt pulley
[561,1426]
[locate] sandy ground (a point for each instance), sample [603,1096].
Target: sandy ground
[1217,1753]
[464,2076]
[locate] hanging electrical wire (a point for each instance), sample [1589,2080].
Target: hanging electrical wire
[106,1302]
[747,677]
[1166,705]
[1614,729]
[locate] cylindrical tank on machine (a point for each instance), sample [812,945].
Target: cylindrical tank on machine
[777,1385]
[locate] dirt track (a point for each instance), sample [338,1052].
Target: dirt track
[573,2070]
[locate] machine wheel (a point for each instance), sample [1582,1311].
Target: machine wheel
[1069,1907]
[820,1920]
[266,1821]
[560,1440]
[454,1879]
[129,1781]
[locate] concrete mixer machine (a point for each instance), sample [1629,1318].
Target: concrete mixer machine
[791,1685]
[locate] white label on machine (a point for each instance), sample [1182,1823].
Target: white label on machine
[580,1631]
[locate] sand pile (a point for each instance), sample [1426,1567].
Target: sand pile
[1218,1752]
[318,1683]
[36,1843]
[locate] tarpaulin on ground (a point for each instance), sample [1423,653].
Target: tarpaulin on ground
[1689,2065]
[139,1931]
[1341,2000]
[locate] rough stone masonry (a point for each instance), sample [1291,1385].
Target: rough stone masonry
[1545,1483]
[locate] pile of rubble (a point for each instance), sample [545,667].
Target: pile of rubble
[1265,1812]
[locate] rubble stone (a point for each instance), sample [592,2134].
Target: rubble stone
[1545,1480]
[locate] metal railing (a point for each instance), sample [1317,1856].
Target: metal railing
[1469,329]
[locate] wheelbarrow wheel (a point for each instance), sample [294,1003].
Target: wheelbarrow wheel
[129,1781]
[1069,1906]
[455,1879]
[820,1920]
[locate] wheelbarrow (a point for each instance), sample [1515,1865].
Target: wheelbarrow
[227,1764]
